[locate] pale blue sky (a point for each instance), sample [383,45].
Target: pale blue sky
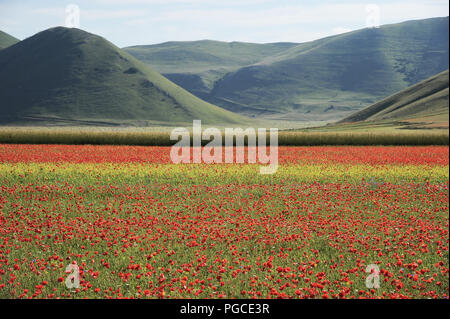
[133,22]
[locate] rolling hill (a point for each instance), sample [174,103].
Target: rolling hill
[6,40]
[425,103]
[197,65]
[69,75]
[326,79]
[205,55]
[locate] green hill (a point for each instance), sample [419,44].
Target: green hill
[69,75]
[6,40]
[326,79]
[425,102]
[206,55]
[197,65]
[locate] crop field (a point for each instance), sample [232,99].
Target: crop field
[138,226]
[160,136]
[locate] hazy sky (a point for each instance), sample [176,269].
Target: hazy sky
[132,22]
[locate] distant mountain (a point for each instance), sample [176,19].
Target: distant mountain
[6,40]
[425,101]
[326,79]
[70,75]
[197,65]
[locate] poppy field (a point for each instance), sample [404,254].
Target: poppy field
[138,226]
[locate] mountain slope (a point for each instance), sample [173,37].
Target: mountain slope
[74,75]
[427,99]
[196,65]
[6,40]
[341,73]
[205,55]
[326,79]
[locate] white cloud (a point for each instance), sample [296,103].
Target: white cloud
[354,14]
[185,2]
[92,14]
[111,14]
[50,11]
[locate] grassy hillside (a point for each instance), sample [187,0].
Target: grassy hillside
[423,102]
[70,75]
[343,73]
[326,79]
[197,65]
[206,55]
[6,40]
